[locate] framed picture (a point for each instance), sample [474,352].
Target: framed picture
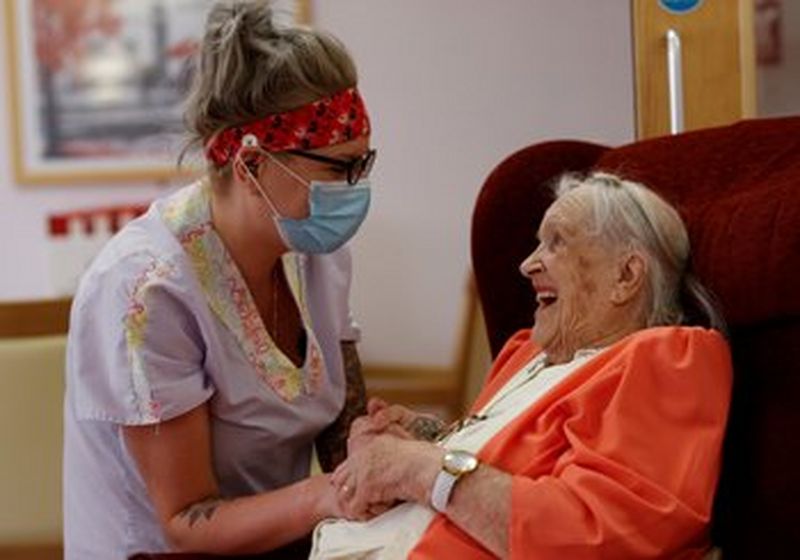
[97,86]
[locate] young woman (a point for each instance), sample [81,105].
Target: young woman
[211,343]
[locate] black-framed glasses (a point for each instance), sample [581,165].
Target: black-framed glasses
[355,168]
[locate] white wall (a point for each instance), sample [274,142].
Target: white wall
[453,87]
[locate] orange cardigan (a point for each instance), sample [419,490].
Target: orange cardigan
[619,460]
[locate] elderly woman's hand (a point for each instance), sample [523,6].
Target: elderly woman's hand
[393,419]
[417,424]
[374,423]
[384,470]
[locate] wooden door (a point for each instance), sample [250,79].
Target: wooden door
[717,59]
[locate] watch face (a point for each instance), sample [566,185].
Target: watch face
[459,462]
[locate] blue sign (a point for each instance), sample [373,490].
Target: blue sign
[680,6]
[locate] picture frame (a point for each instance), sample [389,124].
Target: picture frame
[97,86]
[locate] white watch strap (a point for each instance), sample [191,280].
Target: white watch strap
[442,488]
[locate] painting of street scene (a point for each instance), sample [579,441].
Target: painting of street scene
[100,84]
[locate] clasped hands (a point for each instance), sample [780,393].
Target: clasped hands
[386,462]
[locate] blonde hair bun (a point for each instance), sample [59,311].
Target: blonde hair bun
[253,65]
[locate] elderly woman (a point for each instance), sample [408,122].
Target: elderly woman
[597,434]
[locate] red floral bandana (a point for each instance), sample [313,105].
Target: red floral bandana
[332,120]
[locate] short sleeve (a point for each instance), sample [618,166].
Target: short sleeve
[351,331]
[135,351]
[330,278]
[343,260]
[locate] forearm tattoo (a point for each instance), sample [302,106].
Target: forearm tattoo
[332,442]
[201,510]
[426,428]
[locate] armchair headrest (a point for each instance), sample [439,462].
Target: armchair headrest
[737,188]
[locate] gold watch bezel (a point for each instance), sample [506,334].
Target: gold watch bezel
[458,462]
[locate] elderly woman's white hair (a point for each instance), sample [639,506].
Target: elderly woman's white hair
[628,214]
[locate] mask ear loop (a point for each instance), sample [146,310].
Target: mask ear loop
[287,169]
[250,141]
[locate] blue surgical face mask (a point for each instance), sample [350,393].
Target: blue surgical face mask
[336,210]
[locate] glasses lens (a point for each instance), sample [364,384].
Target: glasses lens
[355,169]
[361,167]
[369,161]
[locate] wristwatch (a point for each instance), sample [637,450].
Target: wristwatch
[455,464]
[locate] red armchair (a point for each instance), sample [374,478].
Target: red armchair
[738,189]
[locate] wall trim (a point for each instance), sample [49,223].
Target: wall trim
[42,551]
[426,385]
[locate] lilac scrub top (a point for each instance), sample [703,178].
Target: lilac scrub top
[163,322]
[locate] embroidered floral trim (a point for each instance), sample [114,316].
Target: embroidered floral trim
[188,217]
[135,326]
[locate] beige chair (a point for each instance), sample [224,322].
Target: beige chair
[32,344]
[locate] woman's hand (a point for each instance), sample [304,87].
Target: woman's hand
[382,471]
[393,419]
[418,424]
[329,505]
